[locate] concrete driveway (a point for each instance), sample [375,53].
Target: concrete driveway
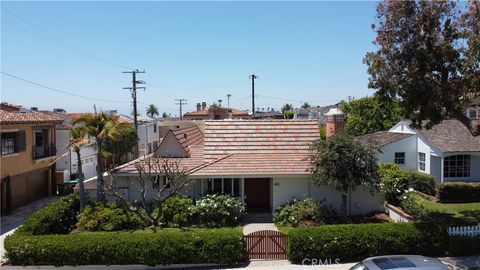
[9,223]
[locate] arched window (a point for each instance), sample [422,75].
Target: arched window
[457,166]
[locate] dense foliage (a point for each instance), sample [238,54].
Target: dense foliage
[304,212]
[218,210]
[110,217]
[459,192]
[359,241]
[123,144]
[222,246]
[58,217]
[177,211]
[343,163]
[369,114]
[397,182]
[428,56]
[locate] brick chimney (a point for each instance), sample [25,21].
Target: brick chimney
[335,121]
[204,105]
[199,107]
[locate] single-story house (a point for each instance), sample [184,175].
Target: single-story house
[264,162]
[448,151]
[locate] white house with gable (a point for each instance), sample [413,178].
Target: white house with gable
[448,151]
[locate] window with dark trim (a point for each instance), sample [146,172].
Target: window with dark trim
[13,142]
[399,157]
[224,186]
[456,166]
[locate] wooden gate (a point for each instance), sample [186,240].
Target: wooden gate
[266,245]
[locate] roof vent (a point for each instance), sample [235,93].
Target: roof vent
[185,135]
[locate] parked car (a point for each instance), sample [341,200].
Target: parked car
[398,262]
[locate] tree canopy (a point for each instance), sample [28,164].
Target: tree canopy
[152,110]
[428,56]
[305,105]
[369,114]
[342,163]
[287,107]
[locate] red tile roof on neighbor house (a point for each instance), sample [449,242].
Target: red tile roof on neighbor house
[27,117]
[188,136]
[248,148]
[206,112]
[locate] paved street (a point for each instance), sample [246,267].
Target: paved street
[18,216]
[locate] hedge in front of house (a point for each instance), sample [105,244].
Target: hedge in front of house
[351,242]
[58,217]
[221,246]
[459,192]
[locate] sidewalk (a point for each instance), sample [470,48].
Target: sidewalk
[18,216]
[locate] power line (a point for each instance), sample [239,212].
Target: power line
[297,100]
[57,41]
[59,90]
[133,90]
[181,102]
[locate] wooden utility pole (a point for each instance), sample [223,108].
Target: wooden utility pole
[181,102]
[253,77]
[133,90]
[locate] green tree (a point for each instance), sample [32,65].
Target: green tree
[99,126]
[343,163]
[305,105]
[123,144]
[152,110]
[164,115]
[426,58]
[287,107]
[78,138]
[370,114]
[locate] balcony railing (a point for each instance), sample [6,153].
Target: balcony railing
[43,151]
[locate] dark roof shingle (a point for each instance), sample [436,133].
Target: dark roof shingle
[382,138]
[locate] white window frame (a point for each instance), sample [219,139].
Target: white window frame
[398,159]
[422,163]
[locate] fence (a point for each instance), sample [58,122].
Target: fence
[471,231]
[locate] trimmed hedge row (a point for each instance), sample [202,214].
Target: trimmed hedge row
[221,246]
[459,192]
[353,242]
[58,217]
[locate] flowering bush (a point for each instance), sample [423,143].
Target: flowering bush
[396,183]
[218,210]
[303,212]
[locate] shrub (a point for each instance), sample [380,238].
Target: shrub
[108,218]
[296,212]
[58,217]
[463,245]
[177,211]
[218,210]
[351,242]
[222,246]
[459,192]
[414,208]
[396,182]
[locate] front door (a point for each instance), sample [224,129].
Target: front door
[257,194]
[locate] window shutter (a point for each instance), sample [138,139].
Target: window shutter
[21,141]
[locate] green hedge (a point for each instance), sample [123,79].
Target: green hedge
[353,242]
[459,192]
[221,246]
[58,217]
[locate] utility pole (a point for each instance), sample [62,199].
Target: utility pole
[181,102]
[228,101]
[133,90]
[253,77]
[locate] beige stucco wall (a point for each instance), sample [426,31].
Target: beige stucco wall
[22,162]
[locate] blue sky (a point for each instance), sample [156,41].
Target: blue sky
[301,51]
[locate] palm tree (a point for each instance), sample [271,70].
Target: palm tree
[152,110]
[100,126]
[78,137]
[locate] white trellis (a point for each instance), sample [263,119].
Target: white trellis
[471,231]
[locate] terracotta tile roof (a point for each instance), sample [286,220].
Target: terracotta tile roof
[28,117]
[383,137]
[259,137]
[188,136]
[256,165]
[206,112]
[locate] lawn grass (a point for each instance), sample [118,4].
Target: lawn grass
[451,213]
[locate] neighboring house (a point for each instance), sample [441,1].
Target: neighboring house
[215,113]
[67,164]
[27,153]
[448,151]
[268,115]
[314,113]
[148,135]
[473,112]
[264,162]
